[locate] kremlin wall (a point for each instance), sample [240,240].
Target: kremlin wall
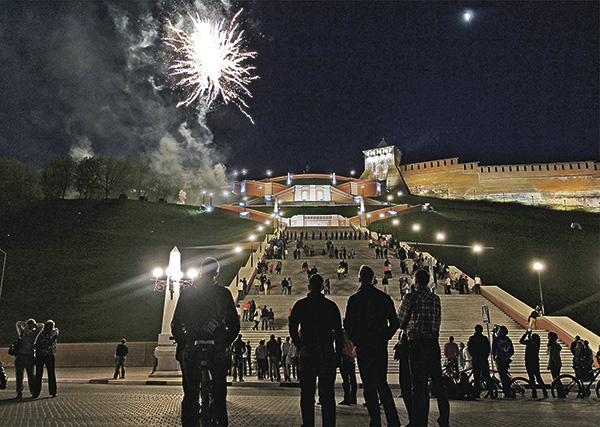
[570,184]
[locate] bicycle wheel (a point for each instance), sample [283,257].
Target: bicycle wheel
[570,386]
[519,386]
[206,406]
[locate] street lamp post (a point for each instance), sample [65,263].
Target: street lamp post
[396,221]
[203,195]
[252,238]
[416,228]
[171,285]
[3,268]
[382,216]
[538,266]
[477,249]
[440,238]
[210,195]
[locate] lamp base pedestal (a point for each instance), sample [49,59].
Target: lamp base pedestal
[165,354]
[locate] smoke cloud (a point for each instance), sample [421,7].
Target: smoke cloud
[106,90]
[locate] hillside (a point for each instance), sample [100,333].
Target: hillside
[519,235]
[87,263]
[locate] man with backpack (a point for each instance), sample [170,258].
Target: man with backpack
[502,349]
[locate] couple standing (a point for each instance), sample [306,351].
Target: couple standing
[35,347]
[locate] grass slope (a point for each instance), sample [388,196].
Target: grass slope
[520,235]
[86,264]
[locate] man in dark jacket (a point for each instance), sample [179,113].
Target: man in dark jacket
[205,316]
[238,348]
[315,324]
[120,357]
[479,349]
[532,362]
[370,323]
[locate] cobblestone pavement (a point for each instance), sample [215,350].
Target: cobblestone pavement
[135,405]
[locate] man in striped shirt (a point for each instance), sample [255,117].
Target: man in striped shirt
[420,315]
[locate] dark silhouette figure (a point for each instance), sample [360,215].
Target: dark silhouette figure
[370,323]
[315,324]
[205,312]
[420,315]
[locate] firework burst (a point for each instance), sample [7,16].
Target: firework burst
[212,62]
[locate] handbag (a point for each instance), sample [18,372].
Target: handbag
[14,348]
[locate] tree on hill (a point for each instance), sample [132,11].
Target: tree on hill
[19,184]
[87,177]
[58,176]
[116,176]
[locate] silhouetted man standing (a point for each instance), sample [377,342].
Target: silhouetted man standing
[420,315]
[370,323]
[205,316]
[315,323]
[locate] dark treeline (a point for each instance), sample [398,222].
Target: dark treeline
[63,177]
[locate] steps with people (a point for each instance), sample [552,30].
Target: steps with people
[460,313]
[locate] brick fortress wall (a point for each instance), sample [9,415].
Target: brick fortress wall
[574,184]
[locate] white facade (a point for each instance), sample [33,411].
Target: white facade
[312,193]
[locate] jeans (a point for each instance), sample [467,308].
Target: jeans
[533,371]
[317,362]
[481,372]
[274,369]
[372,364]
[49,361]
[25,362]
[406,384]
[425,362]
[192,375]
[348,372]
[238,367]
[119,367]
[503,366]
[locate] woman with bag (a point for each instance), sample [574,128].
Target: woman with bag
[45,347]
[24,360]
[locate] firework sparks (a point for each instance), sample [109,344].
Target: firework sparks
[212,62]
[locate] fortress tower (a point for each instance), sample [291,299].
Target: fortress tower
[383,164]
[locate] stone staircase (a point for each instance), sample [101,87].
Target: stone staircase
[460,313]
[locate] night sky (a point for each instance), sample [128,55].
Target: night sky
[517,84]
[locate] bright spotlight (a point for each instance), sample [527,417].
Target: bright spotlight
[477,248]
[538,266]
[440,236]
[396,221]
[416,227]
[252,237]
[381,215]
[192,273]
[237,250]
[390,197]
[468,16]
[267,222]
[261,228]
[157,272]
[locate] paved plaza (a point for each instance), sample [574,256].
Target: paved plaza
[133,402]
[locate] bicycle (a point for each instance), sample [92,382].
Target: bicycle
[575,387]
[203,351]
